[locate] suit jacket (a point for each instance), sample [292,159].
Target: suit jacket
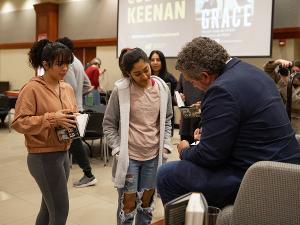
[243,121]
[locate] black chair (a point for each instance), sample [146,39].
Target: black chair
[94,131]
[108,93]
[5,110]
[4,86]
[104,97]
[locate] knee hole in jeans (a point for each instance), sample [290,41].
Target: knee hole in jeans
[129,202]
[147,197]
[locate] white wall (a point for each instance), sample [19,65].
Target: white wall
[89,19]
[14,67]
[83,20]
[286,13]
[289,52]
[17,26]
[109,62]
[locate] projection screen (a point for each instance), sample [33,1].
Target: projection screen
[243,27]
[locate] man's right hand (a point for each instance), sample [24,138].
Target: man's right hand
[197,134]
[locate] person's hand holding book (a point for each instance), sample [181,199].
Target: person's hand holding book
[65,118]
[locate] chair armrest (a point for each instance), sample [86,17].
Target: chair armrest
[298,138]
[225,216]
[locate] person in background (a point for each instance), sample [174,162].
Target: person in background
[159,68]
[137,126]
[94,72]
[272,68]
[42,107]
[280,71]
[86,86]
[75,77]
[191,96]
[237,130]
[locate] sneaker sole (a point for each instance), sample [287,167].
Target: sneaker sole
[91,183]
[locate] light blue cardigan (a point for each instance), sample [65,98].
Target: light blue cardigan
[116,125]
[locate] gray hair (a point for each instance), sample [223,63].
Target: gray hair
[96,61]
[202,54]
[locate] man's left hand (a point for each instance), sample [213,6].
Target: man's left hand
[165,154]
[182,145]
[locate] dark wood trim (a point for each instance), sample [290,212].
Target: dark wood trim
[46,20]
[95,42]
[16,45]
[278,33]
[160,222]
[46,7]
[286,33]
[77,43]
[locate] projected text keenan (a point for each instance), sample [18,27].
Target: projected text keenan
[156,12]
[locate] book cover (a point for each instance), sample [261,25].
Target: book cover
[187,111]
[76,132]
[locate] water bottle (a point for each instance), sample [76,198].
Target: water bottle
[90,99]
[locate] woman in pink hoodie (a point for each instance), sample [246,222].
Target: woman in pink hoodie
[42,108]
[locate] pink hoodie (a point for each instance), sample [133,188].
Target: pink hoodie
[34,115]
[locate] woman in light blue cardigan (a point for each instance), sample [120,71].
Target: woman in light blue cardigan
[133,174]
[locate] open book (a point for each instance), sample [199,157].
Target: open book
[76,132]
[195,143]
[180,102]
[195,210]
[187,111]
[82,120]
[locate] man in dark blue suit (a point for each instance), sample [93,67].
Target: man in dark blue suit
[243,121]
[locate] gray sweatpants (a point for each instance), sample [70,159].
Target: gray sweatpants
[51,172]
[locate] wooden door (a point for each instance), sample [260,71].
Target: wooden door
[85,54]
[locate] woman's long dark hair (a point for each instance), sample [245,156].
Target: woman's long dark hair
[163,70]
[123,52]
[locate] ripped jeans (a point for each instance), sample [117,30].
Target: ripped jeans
[140,179]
